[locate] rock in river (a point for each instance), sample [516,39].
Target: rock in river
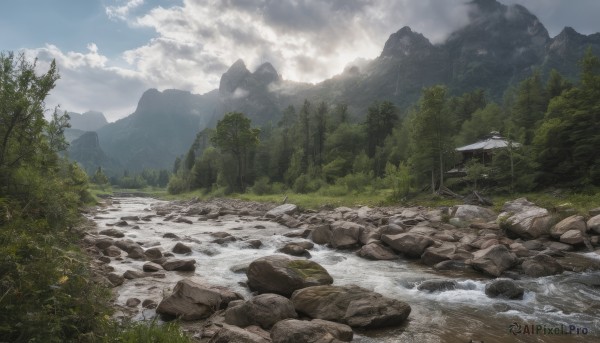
[351,305]
[264,310]
[293,331]
[191,300]
[282,275]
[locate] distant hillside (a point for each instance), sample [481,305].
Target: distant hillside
[87,152]
[161,128]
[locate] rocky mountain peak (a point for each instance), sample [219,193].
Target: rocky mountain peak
[266,73]
[88,121]
[405,42]
[233,77]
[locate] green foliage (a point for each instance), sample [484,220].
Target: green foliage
[381,118]
[262,186]
[305,184]
[399,180]
[476,171]
[430,128]
[234,135]
[153,332]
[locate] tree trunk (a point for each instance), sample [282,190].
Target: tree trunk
[441,170]
[432,181]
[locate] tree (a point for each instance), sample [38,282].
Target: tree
[100,178]
[381,118]
[430,135]
[529,107]
[566,144]
[22,123]
[235,135]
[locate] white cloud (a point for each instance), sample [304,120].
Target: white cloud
[88,82]
[123,11]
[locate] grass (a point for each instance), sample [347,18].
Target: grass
[580,203]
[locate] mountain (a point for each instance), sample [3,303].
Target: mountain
[499,46]
[88,121]
[162,127]
[87,152]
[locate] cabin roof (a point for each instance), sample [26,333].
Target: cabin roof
[494,142]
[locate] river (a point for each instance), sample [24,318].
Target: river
[551,306]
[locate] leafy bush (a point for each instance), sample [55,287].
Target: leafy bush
[177,185]
[262,186]
[305,184]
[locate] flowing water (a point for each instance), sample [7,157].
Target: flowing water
[551,306]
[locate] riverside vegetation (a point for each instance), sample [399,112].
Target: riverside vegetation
[47,290]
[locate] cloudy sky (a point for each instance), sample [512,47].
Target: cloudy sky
[110,51]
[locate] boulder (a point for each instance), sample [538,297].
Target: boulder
[410,244]
[153,253]
[264,310]
[369,235]
[572,237]
[289,221]
[183,220]
[295,249]
[136,253]
[345,234]
[376,251]
[435,255]
[187,265]
[131,218]
[453,265]
[181,248]
[437,285]
[504,288]
[541,265]
[471,213]
[132,302]
[351,305]
[525,219]
[115,279]
[112,233]
[280,210]
[321,234]
[103,242]
[192,301]
[318,331]
[282,275]
[594,224]
[133,274]
[234,334]
[493,260]
[151,267]
[112,251]
[574,222]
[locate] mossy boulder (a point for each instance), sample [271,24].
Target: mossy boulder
[282,275]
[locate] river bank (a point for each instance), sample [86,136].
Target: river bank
[439,261]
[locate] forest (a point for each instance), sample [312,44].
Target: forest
[320,147]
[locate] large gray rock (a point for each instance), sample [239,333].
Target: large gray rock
[321,234]
[504,288]
[280,210]
[493,260]
[471,213]
[112,233]
[187,265]
[192,300]
[345,234]
[570,223]
[264,310]
[318,331]
[435,255]
[181,248]
[351,305]
[594,224]
[282,275]
[234,334]
[525,219]
[437,285]
[572,237]
[376,251]
[541,265]
[410,244]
